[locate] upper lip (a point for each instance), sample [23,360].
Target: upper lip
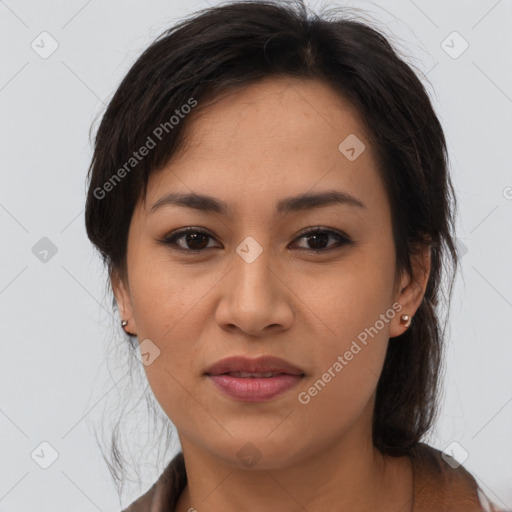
[263,364]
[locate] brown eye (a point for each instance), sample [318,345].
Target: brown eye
[318,239]
[191,240]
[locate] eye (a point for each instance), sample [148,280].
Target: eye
[318,237]
[193,240]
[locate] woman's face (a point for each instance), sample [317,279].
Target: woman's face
[255,285]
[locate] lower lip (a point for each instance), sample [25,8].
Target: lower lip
[255,389]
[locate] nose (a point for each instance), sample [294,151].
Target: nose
[256,299]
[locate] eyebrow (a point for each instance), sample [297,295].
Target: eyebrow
[300,202]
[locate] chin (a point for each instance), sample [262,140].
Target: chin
[259,452]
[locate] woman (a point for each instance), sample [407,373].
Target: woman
[269,192]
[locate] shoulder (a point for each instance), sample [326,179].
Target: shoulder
[441,483]
[164,493]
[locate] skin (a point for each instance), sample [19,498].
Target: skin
[273,139]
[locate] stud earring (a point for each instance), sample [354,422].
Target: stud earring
[405,320]
[124,323]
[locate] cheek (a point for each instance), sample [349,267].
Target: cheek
[347,299]
[351,343]
[165,295]
[174,375]
[347,373]
[340,392]
[168,305]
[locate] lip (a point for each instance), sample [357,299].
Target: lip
[254,389]
[263,364]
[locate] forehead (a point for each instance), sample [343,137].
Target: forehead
[273,138]
[287,110]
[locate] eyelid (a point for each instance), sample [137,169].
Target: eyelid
[321,229]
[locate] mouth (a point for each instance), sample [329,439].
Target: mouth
[254,375]
[254,380]
[244,367]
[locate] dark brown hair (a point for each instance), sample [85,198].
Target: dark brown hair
[232,45]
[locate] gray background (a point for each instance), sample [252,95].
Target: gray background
[62,354]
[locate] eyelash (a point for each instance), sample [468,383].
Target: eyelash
[170,240]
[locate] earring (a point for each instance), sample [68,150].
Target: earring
[124,323]
[405,320]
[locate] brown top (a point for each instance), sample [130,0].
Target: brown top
[438,486]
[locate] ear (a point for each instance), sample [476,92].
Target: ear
[410,290]
[121,289]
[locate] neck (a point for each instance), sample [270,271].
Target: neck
[350,475]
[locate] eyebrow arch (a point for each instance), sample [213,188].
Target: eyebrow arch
[289,204]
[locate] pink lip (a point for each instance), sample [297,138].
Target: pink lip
[254,389]
[261,364]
